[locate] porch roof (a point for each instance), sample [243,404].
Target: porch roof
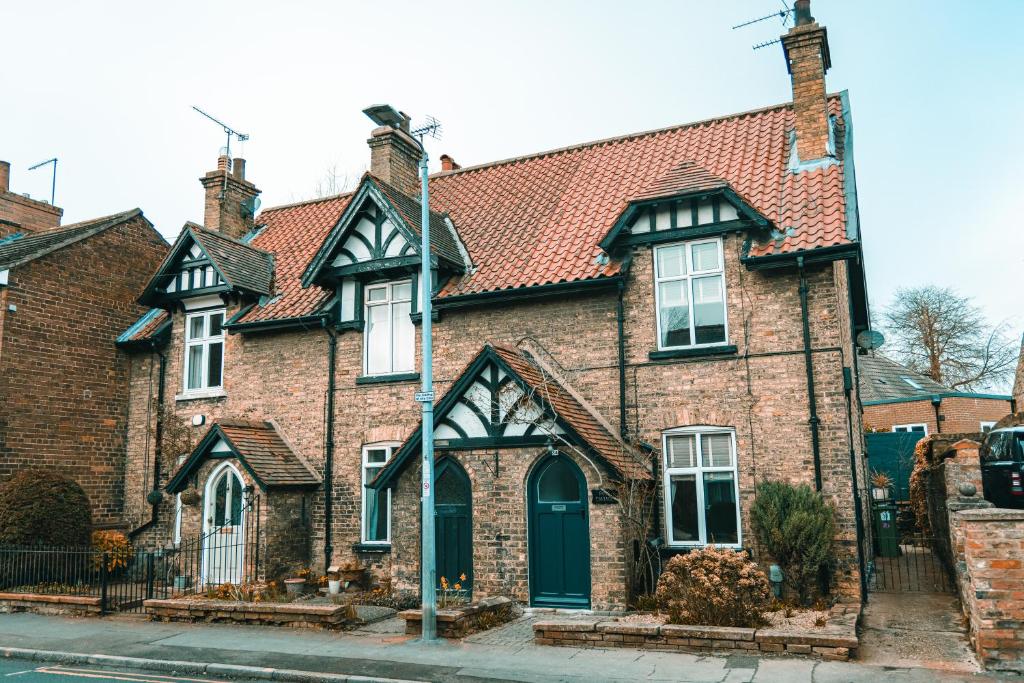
[261,450]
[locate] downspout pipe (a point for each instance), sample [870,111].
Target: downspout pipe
[620,319]
[852,388]
[812,404]
[157,441]
[937,405]
[332,351]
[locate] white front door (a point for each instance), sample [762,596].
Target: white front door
[223,527]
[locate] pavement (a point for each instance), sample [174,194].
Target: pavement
[381,652]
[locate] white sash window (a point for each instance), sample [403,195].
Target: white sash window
[376,504]
[204,350]
[390,335]
[689,287]
[701,488]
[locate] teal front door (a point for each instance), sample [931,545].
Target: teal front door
[559,542]
[453,525]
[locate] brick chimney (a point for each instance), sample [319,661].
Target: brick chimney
[19,213]
[229,198]
[807,58]
[448,164]
[395,157]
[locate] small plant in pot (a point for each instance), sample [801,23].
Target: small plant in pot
[190,497]
[333,580]
[881,485]
[296,585]
[352,573]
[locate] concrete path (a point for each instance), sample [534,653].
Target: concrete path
[915,630]
[502,656]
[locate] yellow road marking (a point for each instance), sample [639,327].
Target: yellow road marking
[121,675]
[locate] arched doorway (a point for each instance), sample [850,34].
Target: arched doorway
[223,526]
[559,542]
[453,524]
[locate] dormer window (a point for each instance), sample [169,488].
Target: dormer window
[204,352]
[389,341]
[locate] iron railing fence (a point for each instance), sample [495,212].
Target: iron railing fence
[124,578]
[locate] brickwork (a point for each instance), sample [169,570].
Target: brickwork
[807,47]
[62,379]
[960,414]
[19,213]
[226,188]
[394,158]
[761,392]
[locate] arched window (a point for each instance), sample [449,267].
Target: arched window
[558,483]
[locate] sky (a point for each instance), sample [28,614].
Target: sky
[935,89]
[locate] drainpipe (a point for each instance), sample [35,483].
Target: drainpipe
[853,389]
[157,439]
[812,404]
[332,350]
[620,316]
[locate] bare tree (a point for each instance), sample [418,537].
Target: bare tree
[333,183]
[939,333]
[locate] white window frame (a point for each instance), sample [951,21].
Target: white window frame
[390,449]
[699,471]
[909,427]
[204,342]
[390,302]
[991,424]
[689,277]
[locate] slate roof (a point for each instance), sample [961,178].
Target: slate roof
[242,265]
[578,417]
[260,449]
[146,328]
[539,219]
[441,238]
[882,379]
[21,248]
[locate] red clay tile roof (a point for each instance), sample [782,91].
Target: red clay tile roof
[684,178]
[260,448]
[575,414]
[294,234]
[539,219]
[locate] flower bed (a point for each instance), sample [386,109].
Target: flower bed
[837,640]
[458,622]
[295,614]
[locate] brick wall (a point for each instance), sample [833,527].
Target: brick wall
[62,380]
[30,215]
[960,414]
[761,392]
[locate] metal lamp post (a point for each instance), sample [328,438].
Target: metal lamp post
[386,115]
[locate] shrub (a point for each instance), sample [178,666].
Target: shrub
[116,545]
[713,587]
[40,507]
[797,527]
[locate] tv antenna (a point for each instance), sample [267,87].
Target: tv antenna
[53,183]
[430,128]
[783,15]
[228,130]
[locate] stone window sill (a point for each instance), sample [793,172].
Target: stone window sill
[200,395]
[388,379]
[370,548]
[724,350]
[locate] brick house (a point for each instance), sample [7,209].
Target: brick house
[898,399]
[570,364]
[64,293]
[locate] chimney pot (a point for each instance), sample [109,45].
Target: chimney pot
[449,164]
[223,162]
[5,176]
[395,156]
[238,168]
[803,12]
[226,190]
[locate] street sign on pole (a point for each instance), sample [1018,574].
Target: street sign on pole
[423,396]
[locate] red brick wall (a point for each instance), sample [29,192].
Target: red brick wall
[62,380]
[761,392]
[30,214]
[961,414]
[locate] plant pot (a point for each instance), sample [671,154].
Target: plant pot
[295,587]
[333,587]
[879,493]
[154,496]
[190,497]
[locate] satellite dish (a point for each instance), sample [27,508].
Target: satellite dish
[250,205]
[870,339]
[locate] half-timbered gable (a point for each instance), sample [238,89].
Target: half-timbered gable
[378,238]
[202,263]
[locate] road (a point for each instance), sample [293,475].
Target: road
[18,671]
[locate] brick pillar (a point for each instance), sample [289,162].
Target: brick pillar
[394,158]
[228,198]
[807,58]
[5,176]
